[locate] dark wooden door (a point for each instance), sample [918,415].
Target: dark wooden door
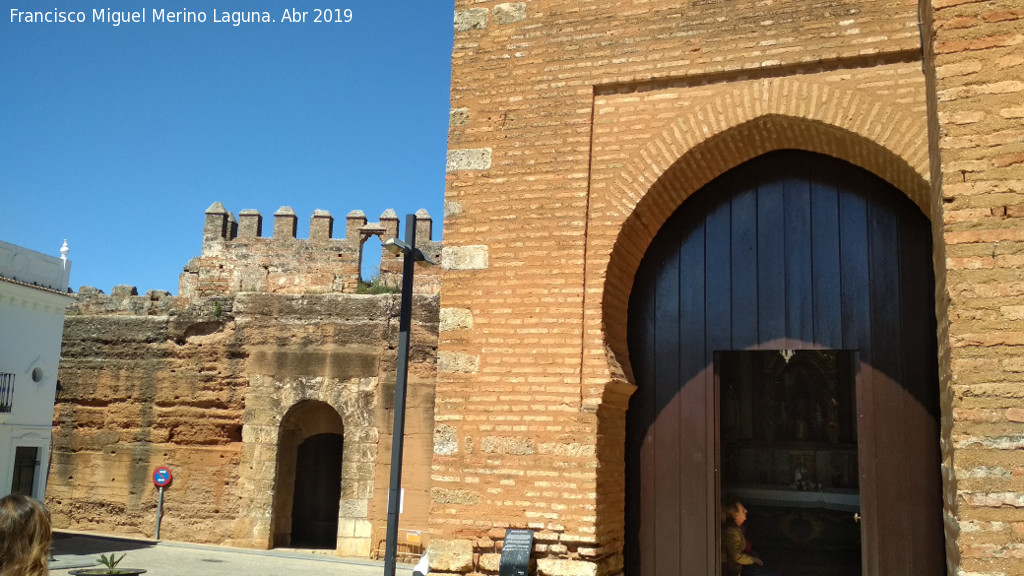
[790,250]
[317,492]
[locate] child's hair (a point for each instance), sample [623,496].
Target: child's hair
[25,536]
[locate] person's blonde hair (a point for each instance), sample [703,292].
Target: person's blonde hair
[25,536]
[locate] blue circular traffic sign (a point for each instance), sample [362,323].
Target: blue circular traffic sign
[161,477]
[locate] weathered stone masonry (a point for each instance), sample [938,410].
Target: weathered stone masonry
[205,384]
[236,257]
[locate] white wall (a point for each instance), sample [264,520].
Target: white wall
[33,298]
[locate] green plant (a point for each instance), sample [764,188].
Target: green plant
[110,567]
[217,309]
[375,286]
[111,561]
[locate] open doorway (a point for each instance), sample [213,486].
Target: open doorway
[318,487]
[26,467]
[309,470]
[788,450]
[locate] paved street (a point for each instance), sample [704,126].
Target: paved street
[78,550]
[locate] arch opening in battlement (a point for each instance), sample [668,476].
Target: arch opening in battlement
[370,258]
[253,254]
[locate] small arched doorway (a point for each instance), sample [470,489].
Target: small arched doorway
[791,251]
[309,461]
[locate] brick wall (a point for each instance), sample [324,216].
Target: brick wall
[576,130]
[978,67]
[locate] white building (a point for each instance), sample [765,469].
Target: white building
[33,299]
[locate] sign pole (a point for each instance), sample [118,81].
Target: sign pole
[159,510]
[161,479]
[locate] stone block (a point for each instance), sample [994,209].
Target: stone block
[321,225]
[490,562]
[353,508]
[474,257]
[122,291]
[353,547]
[451,208]
[455,319]
[557,567]
[389,221]
[363,529]
[158,295]
[346,527]
[458,117]
[354,220]
[470,19]
[446,441]
[995,499]
[454,496]
[468,159]
[252,433]
[457,362]
[450,555]
[355,435]
[285,222]
[215,226]
[339,363]
[572,449]
[507,445]
[509,12]
[250,224]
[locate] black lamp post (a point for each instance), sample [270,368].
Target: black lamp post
[410,255]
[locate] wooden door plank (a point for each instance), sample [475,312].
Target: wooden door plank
[692,489]
[856,331]
[714,504]
[718,281]
[920,379]
[718,337]
[888,431]
[771,253]
[826,294]
[667,423]
[743,259]
[640,455]
[797,231]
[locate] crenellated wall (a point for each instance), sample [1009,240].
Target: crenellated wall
[237,257]
[265,346]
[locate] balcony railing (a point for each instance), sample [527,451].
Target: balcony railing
[6,392]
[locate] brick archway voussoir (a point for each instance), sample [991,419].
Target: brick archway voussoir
[724,131]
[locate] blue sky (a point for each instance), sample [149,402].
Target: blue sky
[118,138]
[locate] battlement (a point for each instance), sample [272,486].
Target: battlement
[236,257]
[222,225]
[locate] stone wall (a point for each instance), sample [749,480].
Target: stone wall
[202,385]
[238,257]
[576,130]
